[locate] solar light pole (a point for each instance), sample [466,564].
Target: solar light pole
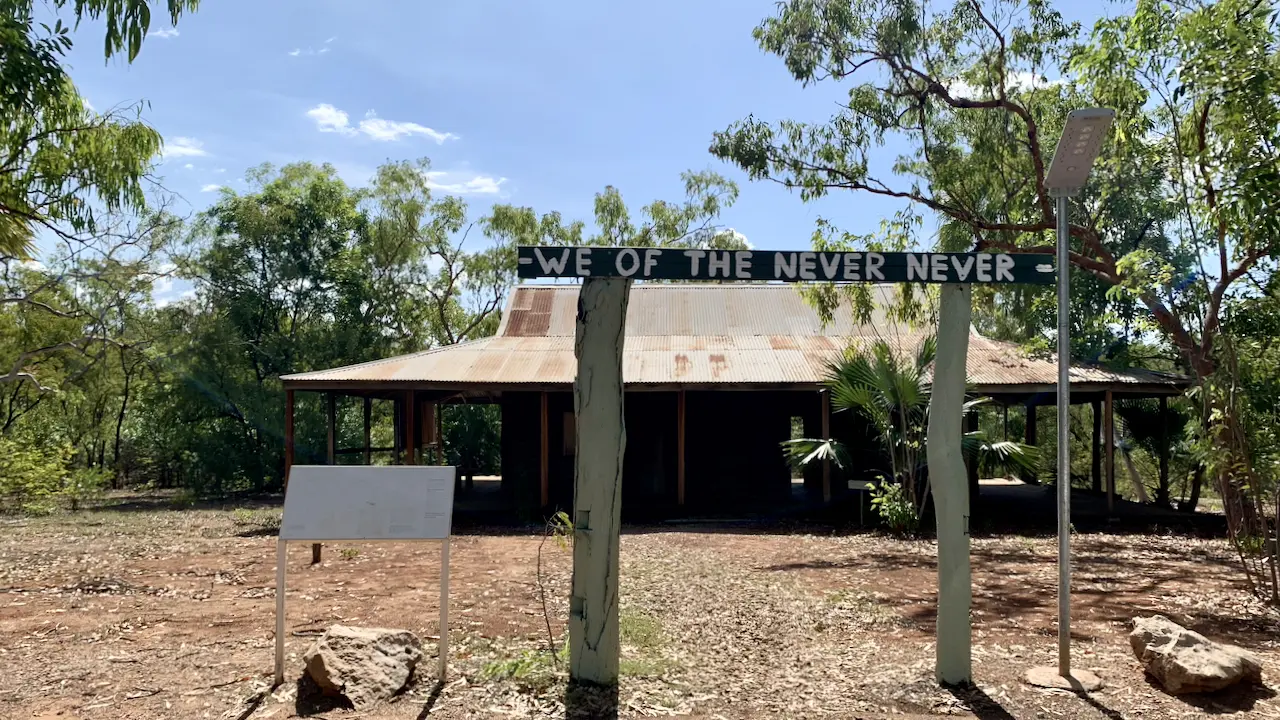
[1077,150]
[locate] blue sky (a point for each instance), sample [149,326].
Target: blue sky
[535,104]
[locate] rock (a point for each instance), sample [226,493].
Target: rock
[1184,661]
[1080,680]
[364,665]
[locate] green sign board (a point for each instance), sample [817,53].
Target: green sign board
[784,265]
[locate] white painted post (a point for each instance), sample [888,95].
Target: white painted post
[597,491]
[444,608]
[949,480]
[281,556]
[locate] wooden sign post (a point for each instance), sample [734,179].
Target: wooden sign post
[606,273]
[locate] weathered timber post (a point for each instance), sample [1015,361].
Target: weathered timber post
[948,478]
[597,489]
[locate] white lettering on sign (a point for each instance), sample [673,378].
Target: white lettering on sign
[784,263]
[984,268]
[807,266]
[829,269]
[551,265]
[875,261]
[851,266]
[650,260]
[718,261]
[787,266]
[1004,264]
[694,256]
[633,258]
[938,268]
[917,267]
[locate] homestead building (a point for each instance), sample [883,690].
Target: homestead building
[716,377]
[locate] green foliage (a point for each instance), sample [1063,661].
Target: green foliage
[888,387]
[62,164]
[38,478]
[533,670]
[472,438]
[690,223]
[893,507]
[260,519]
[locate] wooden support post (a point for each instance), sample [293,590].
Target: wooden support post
[331,428]
[410,431]
[597,491]
[288,436]
[947,478]
[368,420]
[1109,444]
[680,449]
[439,415]
[397,427]
[825,399]
[544,477]
[1162,495]
[1096,469]
[1031,437]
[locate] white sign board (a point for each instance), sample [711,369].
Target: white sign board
[358,502]
[336,502]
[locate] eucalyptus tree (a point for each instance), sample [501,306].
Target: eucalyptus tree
[1183,202]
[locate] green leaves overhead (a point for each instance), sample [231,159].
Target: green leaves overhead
[59,160]
[690,223]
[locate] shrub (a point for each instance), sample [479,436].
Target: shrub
[894,508]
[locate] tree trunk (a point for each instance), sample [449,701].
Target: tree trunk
[948,478]
[124,404]
[597,496]
[1197,479]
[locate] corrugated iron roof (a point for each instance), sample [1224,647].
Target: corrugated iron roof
[695,335]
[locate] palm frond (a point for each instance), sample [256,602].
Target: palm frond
[804,451]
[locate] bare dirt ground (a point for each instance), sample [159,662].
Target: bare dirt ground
[161,613]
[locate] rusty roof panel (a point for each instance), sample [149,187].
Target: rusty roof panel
[697,335]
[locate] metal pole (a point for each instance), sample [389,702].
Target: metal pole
[281,557]
[444,610]
[1064,458]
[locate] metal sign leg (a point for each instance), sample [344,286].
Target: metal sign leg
[280,563]
[444,608]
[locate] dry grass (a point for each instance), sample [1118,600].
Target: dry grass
[169,614]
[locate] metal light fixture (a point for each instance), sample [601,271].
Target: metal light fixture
[1077,151]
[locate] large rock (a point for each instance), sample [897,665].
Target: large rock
[1184,661]
[364,665]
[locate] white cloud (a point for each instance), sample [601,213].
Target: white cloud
[462,183]
[1019,80]
[330,119]
[189,166]
[312,51]
[184,147]
[35,265]
[220,170]
[165,33]
[211,187]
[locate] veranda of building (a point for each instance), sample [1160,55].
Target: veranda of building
[717,376]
